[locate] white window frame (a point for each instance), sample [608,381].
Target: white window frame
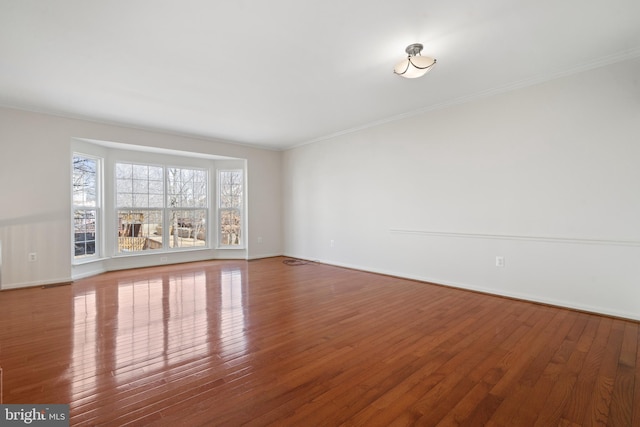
[165,209]
[98,208]
[241,209]
[109,153]
[206,208]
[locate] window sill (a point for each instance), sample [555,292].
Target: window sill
[87,261]
[160,252]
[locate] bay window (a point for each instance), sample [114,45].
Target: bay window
[130,202]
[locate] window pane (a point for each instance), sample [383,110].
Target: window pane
[230,226]
[124,200]
[124,185]
[156,173]
[187,188]
[230,199]
[140,200]
[84,181]
[140,172]
[84,232]
[124,171]
[139,230]
[86,201]
[231,189]
[140,186]
[156,187]
[134,186]
[155,200]
[188,228]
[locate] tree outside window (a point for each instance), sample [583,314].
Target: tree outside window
[187,201]
[86,205]
[230,205]
[160,207]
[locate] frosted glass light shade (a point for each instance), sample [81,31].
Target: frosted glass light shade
[414,66]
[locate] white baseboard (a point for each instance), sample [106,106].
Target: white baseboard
[36,283]
[262,256]
[516,295]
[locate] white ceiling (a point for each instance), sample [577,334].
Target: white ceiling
[280,73]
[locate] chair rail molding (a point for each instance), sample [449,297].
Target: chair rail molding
[532,238]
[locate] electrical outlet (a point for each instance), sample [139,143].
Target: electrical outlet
[259,240]
[331,243]
[499,261]
[163,259]
[33,257]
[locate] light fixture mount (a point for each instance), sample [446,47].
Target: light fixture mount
[415,65]
[414,49]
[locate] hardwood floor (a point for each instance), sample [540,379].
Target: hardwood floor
[264,343]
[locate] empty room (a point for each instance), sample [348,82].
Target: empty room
[320,213]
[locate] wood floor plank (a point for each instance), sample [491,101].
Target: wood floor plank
[623,389]
[576,407]
[524,377]
[597,412]
[567,374]
[265,343]
[455,375]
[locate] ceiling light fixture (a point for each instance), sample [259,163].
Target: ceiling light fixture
[415,65]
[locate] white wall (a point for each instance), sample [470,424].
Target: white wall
[546,176]
[35,153]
